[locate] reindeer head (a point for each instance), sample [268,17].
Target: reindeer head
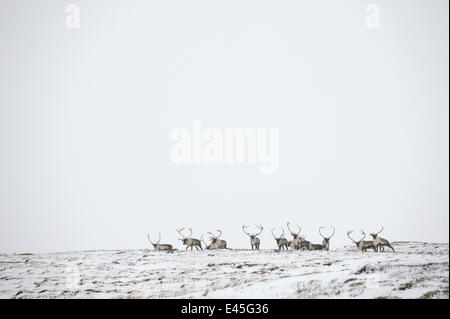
[359,241]
[214,238]
[326,240]
[294,234]
[252,236]
[154,245]
[184,239]
[278,239]
[375,235]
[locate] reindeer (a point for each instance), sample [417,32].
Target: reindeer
[380,242]
[312,246]
[326,240]
[189,241]
[254,241]
[295,242]
[315,247]
[281,241]
[304,244]
[160,247]
[217,243]
[361,244]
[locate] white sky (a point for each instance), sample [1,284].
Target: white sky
[86,115]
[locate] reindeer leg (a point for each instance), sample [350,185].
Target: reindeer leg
[391,248]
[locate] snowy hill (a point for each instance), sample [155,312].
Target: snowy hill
[416,270]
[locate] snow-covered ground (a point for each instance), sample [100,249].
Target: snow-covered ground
[416,270]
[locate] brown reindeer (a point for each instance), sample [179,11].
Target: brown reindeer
[254,241]
[361,244]
[326,240]
[281,241]
[189,241]
[160,247]
[312,246]
[295,242]
[380,242]
[304,244]
[315,247]
[217,243]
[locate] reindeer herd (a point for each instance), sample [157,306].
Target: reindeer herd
[282,243]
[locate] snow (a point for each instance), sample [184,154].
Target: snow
[415,270]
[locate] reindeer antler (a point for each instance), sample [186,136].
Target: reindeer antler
[289,228]
[243,228]
[212,236]
[294,233]
[382,228]
[220,233]
[201,238]
[252,234]
[348,235]
[159,239]
[328,238]
[272,233]
[180,232]
[362,232]
[320,233]
[148,236]
[334,230]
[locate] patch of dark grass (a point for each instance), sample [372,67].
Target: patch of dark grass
[429,294]
[349,280]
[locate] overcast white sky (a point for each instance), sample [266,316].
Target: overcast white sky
[86,115]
